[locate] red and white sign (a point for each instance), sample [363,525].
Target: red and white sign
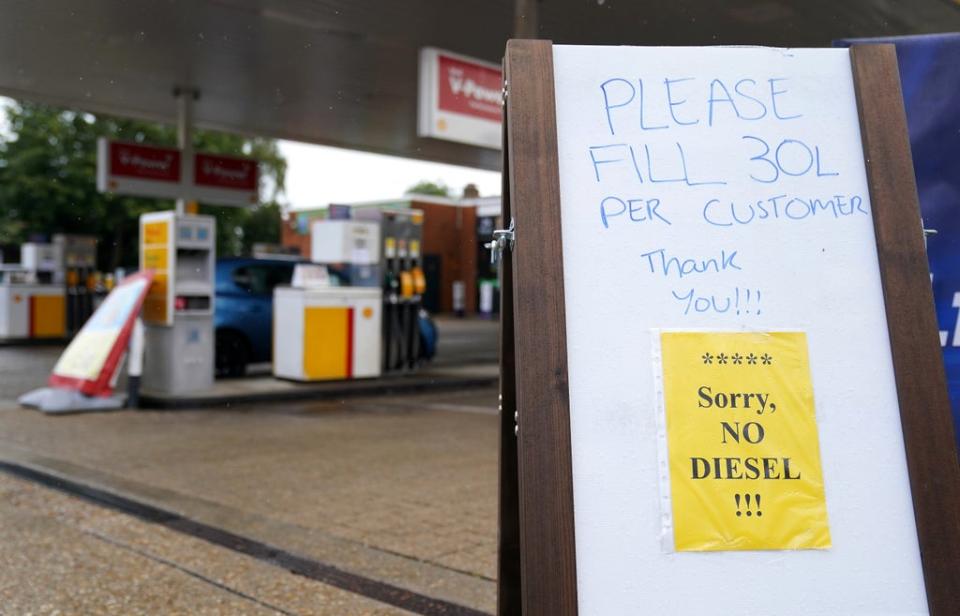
[91,361]
[145,162]
[460,98]
[225,172]
[149,171]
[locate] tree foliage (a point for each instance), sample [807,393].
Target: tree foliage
[425,187]
[48,164]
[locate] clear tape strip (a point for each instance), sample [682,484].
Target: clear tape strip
[663,458]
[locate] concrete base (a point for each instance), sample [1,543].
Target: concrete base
[52,400]
[268,389]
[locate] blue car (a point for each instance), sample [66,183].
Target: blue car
[243,313]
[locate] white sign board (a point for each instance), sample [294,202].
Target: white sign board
[459,99]
[724,189]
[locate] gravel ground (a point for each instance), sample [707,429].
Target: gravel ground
[60,555]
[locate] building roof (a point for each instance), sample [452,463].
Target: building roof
[344,72]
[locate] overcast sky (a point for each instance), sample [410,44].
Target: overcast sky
[320,175]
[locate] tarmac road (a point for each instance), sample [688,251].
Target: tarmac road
[377,503]
[365,505]
[23,368]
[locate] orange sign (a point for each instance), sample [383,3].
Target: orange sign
[156,232]
[156,257]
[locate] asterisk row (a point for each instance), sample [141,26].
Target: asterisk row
[750,359]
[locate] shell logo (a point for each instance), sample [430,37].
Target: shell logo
[441,124]
[367,312]
[17,299]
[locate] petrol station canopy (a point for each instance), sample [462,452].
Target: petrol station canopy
[344,72]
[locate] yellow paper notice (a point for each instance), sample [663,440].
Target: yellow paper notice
[744,456]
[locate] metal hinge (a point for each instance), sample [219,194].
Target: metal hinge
[516,415]
[503,239]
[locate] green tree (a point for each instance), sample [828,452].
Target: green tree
[48,181]
[262,224]
[426,187]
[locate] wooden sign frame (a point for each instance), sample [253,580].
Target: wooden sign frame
[537,555]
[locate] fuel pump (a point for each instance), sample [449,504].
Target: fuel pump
[416,285]
[349,248]
[79,255]
[404,285]
[178,309]
[403,282]
[392,293]
[43,261]
[32,301]
[327,323]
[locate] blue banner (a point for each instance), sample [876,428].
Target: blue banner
[930,75]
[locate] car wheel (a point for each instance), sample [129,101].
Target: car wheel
[232,354]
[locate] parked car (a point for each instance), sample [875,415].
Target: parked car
[243,314]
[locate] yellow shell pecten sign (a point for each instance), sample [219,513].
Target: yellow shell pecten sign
[741,441]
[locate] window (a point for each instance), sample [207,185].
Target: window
[261,279]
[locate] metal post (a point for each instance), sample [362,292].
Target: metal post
[525,19]
[135,364]
[185,98]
